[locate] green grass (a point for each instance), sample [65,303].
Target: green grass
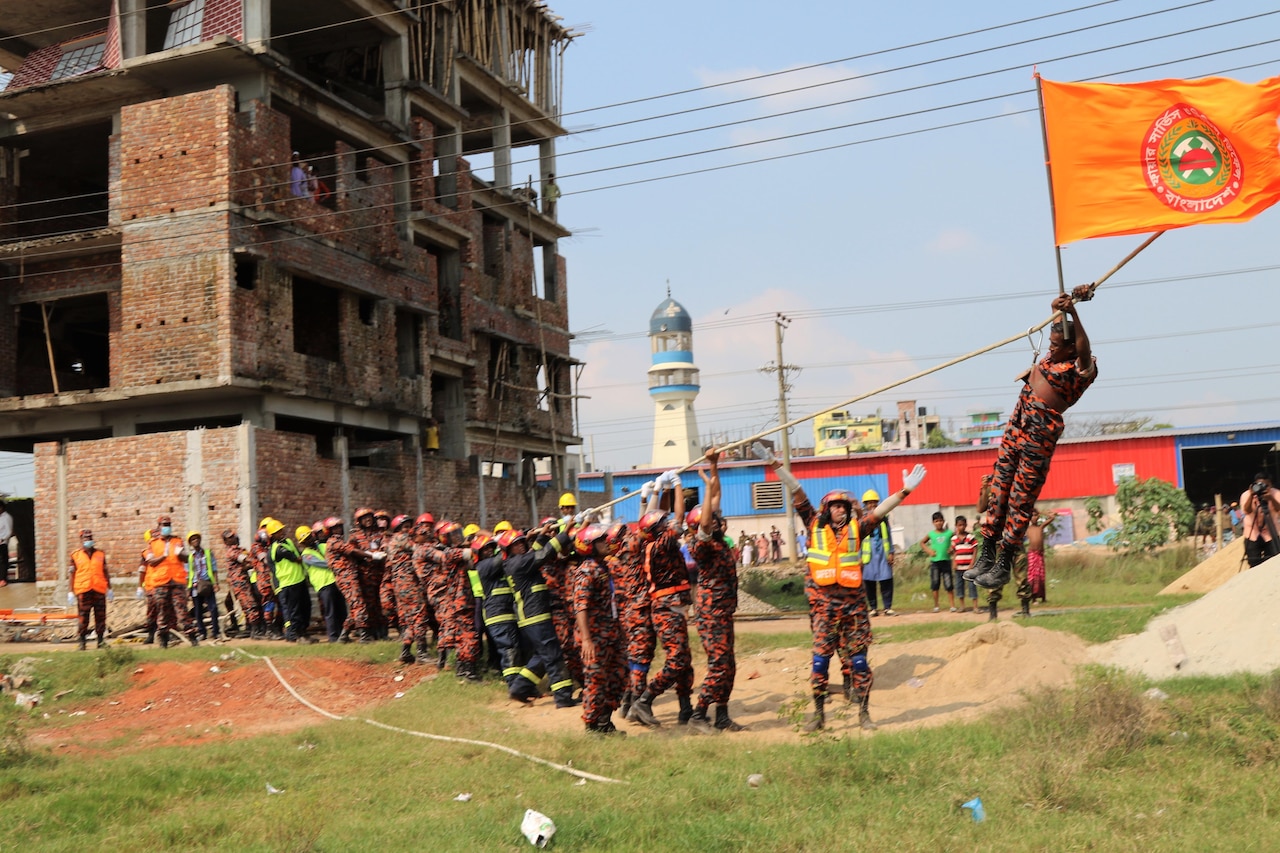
[1094,767]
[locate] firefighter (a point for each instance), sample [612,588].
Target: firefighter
[523,568]
[598,634]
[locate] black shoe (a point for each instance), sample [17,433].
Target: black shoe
[304,640]
[699,722]
[848,688]
[406,654]
[565,698]
[991,612]
[642,711]
[819,719]
[195,641]
[986,559]
[864,716]
[999,574]
[150,640]
[625,708]
[80,644]
[164,639]
[101,642]
[723,723]
[1025,612]
[686,711]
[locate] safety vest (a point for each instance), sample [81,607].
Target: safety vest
[477,588]
[208,567]
[171,569]
[289,568]
[833,559]
[318,576]
[91,571]
[866,543]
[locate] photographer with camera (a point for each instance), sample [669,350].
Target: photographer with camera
[1259,505]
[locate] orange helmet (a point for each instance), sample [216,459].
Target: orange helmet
[446,529]
[837,496]
[320,530]
[426,518]
[399,521]
[693,517]
[652,522]
[617,532]
[332,522]
[362,512]
[584,541]
[481,541]
[510,537]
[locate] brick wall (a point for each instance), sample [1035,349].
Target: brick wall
[222,18]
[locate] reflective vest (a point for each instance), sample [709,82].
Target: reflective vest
[91,571]
[319,576]
[172,569]
[208,567]
[884,537]
[833,559]
[288,563]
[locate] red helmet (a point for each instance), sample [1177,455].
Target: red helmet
[361,512]
[480,541]
[693,517]
[550,519]
[446,529]
[320,530]
[652,522]
[509,538]
[617,532]
[426,518]
[332,522]
[399,521]
[837,496]
[584,541]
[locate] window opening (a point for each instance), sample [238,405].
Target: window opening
[408,343]
[316,319]
[185,25]
[79,60]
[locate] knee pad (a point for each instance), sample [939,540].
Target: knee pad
[858,663]
[638,667]
[821,663]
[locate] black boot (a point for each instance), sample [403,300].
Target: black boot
[101,642]
[564,698]
[626,704]
[723,723]
[80,645]
[999,574]
[195,640]
[864,715]
[642,711]
[699,722]
[164,639]
[819,720]
[1025,612]
[406,653]
[991,612]
[442,660]
[686,711]
[345,636]
[151,637]
[848,687]
[424,652]
[986,559]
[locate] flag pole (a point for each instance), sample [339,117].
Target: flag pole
[1048,172]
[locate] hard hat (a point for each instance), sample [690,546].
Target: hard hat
[567,499]
[164,519]
[870,495]
[693,517]
[272,526]
[146,536]
[510,537]
[617,531]
[548,520]
[361,512]
[584,541]
[229,536]
[482,540]
[263,523]
[501,526]
[446,529]
[470,530]
[320,529]
[191,533]
[836,496]
[301,532]
[399,521]
[332,522]
[426,518]
[652,522]
[382,513]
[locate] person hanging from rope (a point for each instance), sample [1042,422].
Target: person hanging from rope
[838,603]
[1049,388]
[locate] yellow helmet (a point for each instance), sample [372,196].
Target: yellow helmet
[191,533]
[501,526]
[272,526]
[568,499]
[302,533]
[470,530]
[265,522]
[870,495]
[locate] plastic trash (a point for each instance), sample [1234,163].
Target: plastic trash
[26,700]
[272,789]
[755,780]
[915,682]
[463,798]
[537,827]
[979,813]
[1156,694]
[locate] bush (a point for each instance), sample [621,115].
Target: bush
[1149,510]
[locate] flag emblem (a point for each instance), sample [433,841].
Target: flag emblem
[1189,163]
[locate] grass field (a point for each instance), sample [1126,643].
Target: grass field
[1098,766]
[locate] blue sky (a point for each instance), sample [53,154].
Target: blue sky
[906,246]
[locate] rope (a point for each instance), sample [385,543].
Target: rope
[937,367]
[572,771]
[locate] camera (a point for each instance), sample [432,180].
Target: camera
[1259,488]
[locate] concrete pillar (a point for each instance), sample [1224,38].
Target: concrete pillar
[257,23]
[247,485]
[502,151]
[64,520]
[133,29]
[344,465]
[193,477]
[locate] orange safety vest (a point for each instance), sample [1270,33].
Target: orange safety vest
[91,572]
[173,569]
[835,558]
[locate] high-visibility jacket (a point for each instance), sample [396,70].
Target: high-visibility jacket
[833,558]
[208,567]
[318,572]
[91,571]
[288,563]
[172,569]
[884,537]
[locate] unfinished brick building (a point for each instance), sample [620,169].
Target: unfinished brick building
[250,270]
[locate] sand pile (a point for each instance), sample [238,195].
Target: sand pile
[1211,573]
[1235,628]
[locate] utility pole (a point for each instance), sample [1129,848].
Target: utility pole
[780,367]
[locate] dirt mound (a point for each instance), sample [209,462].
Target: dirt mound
[928,682]
[1212,572]
[194,702]
[1231,629]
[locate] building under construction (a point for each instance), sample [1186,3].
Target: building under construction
[275,257]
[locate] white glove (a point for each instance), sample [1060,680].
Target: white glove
[673,479]
[762,453]
[240,558]
[140,593]
[579,518]
[911,481]
[646,491]
[378,555]
[111,594]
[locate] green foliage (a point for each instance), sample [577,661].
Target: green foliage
[937,440]
[785,592]
[1093,508]
[1149,510]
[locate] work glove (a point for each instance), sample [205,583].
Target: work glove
[140,593]
[763,453]
[111,594]
[673,479]
[911,481]
[646,491]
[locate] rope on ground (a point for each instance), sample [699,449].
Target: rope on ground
[572,771]
[943,366]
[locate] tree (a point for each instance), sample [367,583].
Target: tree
[938,440]
[1093,508]
[1149,510]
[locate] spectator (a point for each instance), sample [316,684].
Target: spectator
[202,580]
[775,544]
[299,182]
[91,584]
[963,544]
[877,558]
[1259,505]
[937,544]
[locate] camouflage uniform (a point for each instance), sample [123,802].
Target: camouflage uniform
[605,678]
[716,603]
[273,616]
[370,573]
[238,569]
[338,552]
[403,571]
[557,572]
[669,596]
[632,590]
[457,607]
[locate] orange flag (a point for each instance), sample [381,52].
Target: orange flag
[1138,157]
